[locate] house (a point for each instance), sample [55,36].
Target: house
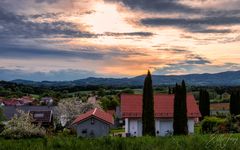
[11,102]
[219,108]
[94,123]
[1,101]
[26,100]
[131,110]
[42,115]
[225,96]
[46,100]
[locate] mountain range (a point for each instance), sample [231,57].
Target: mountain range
[229,78]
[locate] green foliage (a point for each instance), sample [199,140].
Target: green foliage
[20,126]
[180,110]
[128,91]
[148,107]
[109,102]
[204,103]
[196,142]
[212,125]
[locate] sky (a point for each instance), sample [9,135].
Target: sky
[74,39]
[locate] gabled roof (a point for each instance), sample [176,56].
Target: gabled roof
[11,102]
[43,116]
[10,111]
[219,106]
[131,106]
[97,113]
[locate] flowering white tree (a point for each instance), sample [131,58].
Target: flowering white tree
[68,109]
[20,126]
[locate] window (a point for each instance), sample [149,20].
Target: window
[92,121]
[38,115]
[84,131]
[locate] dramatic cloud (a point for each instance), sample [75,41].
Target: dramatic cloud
[163,6]
[146,34]
[117,37]
[13,52]
[13,25]
[47,1]
[194,25]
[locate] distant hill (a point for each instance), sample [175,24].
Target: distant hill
[229,78]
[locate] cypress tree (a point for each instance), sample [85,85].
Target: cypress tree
[180,110]
[232,103]
[204,103]
[148,123]
[235,103]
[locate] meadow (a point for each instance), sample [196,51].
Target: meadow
[196,142]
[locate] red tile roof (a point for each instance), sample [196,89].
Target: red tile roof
[112,112]
[11,102]
[97,113]
[131,106]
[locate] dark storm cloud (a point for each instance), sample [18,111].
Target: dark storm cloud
[19,50]
[190,22]
[191,63]
[46,1]
[196,59]
[143,34]
[33,53]
[13,25]
[199,25]
[162,6]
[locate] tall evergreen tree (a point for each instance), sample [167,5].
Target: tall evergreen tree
[204,103]
[1,114]
[235,103]
[180,110]
[148,107]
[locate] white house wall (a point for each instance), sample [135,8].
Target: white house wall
[133,126]
[191,126]
[162,126]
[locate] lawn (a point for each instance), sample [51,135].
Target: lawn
[196,142]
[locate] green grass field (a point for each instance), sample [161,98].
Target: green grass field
[196,142]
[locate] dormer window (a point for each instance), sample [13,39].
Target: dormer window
[38,115]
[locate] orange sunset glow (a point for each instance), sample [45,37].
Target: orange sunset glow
[119,38]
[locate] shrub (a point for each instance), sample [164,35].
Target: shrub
[20,126]
[213,125]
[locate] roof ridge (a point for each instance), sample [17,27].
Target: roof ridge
[94,111]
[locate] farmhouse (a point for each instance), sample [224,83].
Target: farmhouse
[42,115]
[94,123]
[131,110]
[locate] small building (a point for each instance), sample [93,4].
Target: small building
[94,123]
[46,101]
[11,102]
[26,100]
[219,109]
[225,96]
[131,110]
[42,115]
[1,102]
